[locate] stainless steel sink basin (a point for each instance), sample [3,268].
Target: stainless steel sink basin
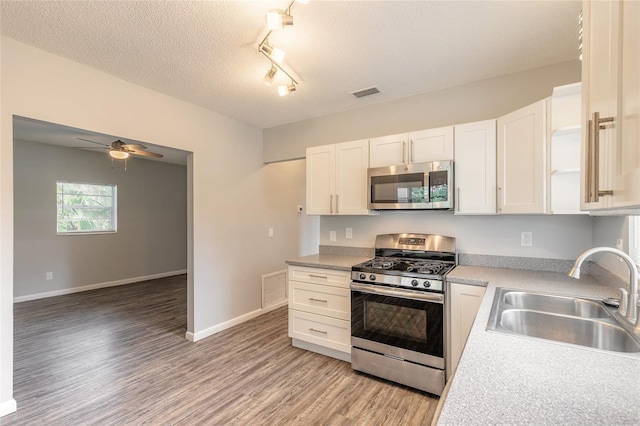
[574,330]
[565,319]
[564,305]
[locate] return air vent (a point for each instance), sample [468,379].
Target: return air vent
[366,92]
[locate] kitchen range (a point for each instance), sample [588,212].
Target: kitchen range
[397,310]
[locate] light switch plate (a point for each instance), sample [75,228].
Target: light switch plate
[332,235]
[348,233]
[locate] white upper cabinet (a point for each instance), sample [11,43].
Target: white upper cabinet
[521,162]
[415,147]
[475,168]
[337,179]
[564,150]
[388,150]
[431,145]
[611,105]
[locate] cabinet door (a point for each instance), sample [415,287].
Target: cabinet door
[464,304]
[321,171]
[521,160]
[475,168]
[388,150]
[352,160]
[626,186]
[431,145]
[599,88]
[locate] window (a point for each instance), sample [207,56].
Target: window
[634,238]
[85,208]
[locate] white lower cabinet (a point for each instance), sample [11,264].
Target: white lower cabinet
[320,310]
[464,302]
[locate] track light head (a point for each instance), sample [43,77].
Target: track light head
[268,77]
[277,19]
[284,90]
[277,55]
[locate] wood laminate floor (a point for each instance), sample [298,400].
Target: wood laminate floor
[118,356]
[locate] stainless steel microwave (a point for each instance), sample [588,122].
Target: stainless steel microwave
[411,186]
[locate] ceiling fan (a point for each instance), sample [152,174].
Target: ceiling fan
[121,150]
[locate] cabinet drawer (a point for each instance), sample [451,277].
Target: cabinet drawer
[330,277]
[320,299]
[324,331]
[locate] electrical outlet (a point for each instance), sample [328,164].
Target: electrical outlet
[526,239]
[348,233]
[332,235]
[49,276]
[270,232]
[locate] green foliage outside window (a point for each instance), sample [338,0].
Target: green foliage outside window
[85,208]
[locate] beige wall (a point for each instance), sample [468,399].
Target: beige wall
[462,104]
[229,202]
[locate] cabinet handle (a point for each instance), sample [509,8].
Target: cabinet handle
[318,276]
[331,203]
[589,172]
[411,152]
[337,204]
[403,146]
[597,125]
[313,330]
[458,199]
[311,299]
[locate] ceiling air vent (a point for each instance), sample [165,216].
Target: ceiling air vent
[366,92]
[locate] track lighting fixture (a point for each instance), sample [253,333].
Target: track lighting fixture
[268,77]
[284,90]
[277,19]
[275,54]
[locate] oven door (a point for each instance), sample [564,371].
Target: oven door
[398,323]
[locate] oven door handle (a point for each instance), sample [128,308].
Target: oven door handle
[405,294]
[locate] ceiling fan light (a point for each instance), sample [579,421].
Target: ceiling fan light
[119,155]
[277,19]
[268,77]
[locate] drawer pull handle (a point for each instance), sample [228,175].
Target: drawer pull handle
[313,330]
[318,276]
[317,300]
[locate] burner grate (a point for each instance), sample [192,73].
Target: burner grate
[431,268]
[382,263]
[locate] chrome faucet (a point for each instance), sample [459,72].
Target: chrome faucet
[629,302]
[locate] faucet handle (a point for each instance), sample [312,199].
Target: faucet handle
[624,301]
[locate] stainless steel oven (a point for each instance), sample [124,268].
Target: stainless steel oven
[397,310]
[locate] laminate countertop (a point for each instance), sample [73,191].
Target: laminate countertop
[328,261]
[509,379]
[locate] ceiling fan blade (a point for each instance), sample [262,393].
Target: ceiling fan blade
[88,147]
[87,140]
[135,146]
[145,153]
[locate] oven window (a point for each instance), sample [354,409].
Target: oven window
[401,321]
[406,188]
[416,325]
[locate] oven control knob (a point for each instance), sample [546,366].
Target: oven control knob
[363,276]
[426,284]
[414,283]
[372,277]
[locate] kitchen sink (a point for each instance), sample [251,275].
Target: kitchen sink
[565,319]
[564,305]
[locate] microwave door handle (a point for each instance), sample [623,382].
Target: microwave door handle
[427,180]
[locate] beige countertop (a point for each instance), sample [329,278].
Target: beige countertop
[328,261]
[510,379]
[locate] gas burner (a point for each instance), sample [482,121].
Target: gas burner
[382,263]
[430,268]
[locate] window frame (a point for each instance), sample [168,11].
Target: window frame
[114,209]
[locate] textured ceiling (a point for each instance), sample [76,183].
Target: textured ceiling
[205,52]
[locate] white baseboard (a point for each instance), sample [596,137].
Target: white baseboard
[8,407]
[96,286]
[194,337]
